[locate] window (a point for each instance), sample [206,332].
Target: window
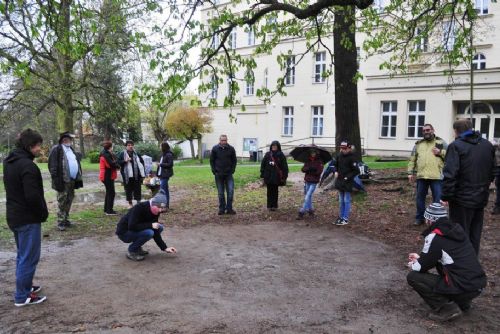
[416,118]
[230,82]
[317,120]
[378,5]
[266,78]
[250,36]
[215,41]
[482,6]
[479,62]
[232,39]
[271,21]
[249,81]
[213,87]
[389,119]
[319,67]
[358,56]
[421,41]
[288,121]
[290,71]
[448,35]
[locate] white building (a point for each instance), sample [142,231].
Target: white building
[392,110]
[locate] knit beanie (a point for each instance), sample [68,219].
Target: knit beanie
[159,200]
[435,211]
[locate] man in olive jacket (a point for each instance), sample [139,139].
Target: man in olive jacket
[223,164]
[468,172]
[26,210]
[426,166]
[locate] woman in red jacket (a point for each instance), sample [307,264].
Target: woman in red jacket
[312,169]
[107,175]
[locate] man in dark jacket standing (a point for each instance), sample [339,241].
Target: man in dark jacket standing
[26,210]
[461,277]
[223,164]
[66,173]
[468,172]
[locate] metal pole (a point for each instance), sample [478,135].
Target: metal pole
[471,102]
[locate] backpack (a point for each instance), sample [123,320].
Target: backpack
[364,171]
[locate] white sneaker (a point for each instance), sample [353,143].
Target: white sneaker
[32,300]
[342,222]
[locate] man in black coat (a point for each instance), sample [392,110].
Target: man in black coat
[468,172]
[140,224]
[460,277]
[26,210]
[223,164]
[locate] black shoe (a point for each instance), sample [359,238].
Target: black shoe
[32,300]
[496,210]
[231,212]
[220,213]
[67,223]
[418,222]
[447,312]
[311,213]
[134,256]
[464,307]
[142,251]
[273,209]
[337,221]
[37,289]
[300,216]
[111,213]
[61,226]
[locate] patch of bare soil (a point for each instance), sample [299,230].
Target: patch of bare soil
[255,272]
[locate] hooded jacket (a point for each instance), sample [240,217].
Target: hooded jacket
[449,250]
[423,163]
[274,168]
[347,167]
[468,171]
[24,189]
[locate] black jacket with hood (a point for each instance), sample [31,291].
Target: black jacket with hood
[449,250]
[468,171]
[274,168]
[347,167]
[24,190]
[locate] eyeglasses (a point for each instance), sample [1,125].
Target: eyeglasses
[427,130]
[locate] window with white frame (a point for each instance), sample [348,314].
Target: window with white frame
[319,67]
[482,6]
[479,62]
[215,41]
[250,36]
[288,121]
[448,35]
[249,82]
[379,5]
[232,39]
[272,21]
[389,119]
[421,40]
[416,118]
[266,78]
[290,71]
[317,121]
[213,87]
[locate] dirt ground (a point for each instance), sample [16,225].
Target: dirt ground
[256,272]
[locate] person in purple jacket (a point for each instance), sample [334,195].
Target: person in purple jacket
[140,225]
[312,169]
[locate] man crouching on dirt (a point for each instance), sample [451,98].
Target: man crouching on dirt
[460,278]
[140,224]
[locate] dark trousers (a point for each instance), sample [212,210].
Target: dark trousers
[225,182]
[272,196]
[497,188]
[109,199]
[471,220]
[28,242]
[424,283]
[423,186]
[133,187]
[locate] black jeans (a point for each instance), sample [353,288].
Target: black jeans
[133,187]
[109,199]
[272,196]
[424,283]
[497,186]
[471,220]
[225,182]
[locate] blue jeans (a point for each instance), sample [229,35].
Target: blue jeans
[225,182]
[138,238]
[28,242]
[164,187]
[345,204]
[422,189]
[309,189]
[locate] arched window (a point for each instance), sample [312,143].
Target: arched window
[479,62]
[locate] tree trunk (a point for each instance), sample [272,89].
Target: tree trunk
[346,87]
[65,110]
[81,137]
[191,144]
[200,150]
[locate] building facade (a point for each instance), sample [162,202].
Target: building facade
[392,109]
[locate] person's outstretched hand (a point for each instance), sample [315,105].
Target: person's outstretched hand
[171,250]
